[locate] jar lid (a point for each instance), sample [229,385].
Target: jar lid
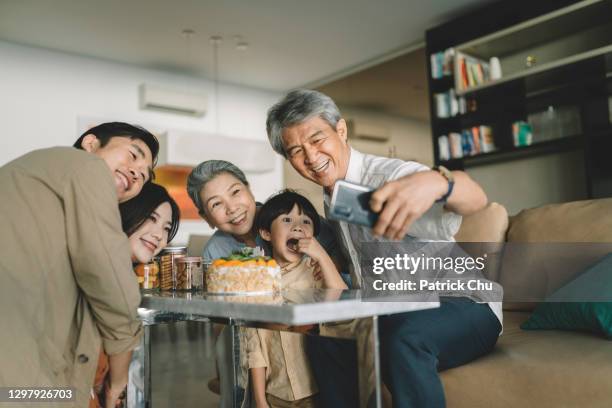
[190,259]
[174,249]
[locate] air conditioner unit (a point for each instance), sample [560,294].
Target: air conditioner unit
[167,100]
[363,130]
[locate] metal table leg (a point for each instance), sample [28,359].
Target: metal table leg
[376,352]
[146,345]
[231,325]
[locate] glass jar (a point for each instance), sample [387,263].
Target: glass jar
[167,266]
[148,275]
[189,273]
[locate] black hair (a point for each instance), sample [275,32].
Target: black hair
[136,211]
[283,203]
[106,131]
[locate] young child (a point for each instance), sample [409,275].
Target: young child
[277,361]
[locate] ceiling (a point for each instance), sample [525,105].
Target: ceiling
[395,87]
[292,43]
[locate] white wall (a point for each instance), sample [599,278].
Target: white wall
[43,93]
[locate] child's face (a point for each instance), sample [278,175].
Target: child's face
[284,232]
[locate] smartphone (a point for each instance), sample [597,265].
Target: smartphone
[351,203]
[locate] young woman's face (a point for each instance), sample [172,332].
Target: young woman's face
[284,232]
[228,205]
[152,236]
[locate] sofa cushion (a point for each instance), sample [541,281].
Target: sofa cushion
[548,246]
[583,304]
[545,368]
[487,225]
[577,221]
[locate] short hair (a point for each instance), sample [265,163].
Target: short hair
[283,203]
[296,107]
[205,172]
[136,211]
[106,131]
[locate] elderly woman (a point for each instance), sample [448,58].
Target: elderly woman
[221,193]
[414,203]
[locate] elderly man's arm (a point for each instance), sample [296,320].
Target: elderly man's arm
[400,202]
[467,197]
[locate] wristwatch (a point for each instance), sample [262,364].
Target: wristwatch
[448,175]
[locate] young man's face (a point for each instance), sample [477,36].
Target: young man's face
[284,232]
[130,161]
[317,151]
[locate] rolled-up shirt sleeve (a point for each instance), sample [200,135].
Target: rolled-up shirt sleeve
[255,357]
[100,255]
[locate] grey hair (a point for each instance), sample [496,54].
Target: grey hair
[296,107]
[205,172]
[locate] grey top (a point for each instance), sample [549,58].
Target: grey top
[292,307]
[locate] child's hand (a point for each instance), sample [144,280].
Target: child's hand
[316,269]
[311,247]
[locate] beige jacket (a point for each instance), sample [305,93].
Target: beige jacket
[66,282]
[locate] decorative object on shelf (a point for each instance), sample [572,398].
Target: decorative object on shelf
[521,133]
[530,61]
[555,123]
[495,69]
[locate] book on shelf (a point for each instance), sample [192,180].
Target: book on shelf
[442,63]
[469,142]
[447,104]
[470,71]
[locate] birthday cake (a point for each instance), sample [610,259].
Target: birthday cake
[243,273]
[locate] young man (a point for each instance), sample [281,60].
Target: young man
[66,281]
[414,204]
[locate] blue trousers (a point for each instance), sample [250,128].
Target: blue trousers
[414,346]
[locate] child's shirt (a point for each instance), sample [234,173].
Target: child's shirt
[283,354]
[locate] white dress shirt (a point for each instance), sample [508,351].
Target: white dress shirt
[435,225]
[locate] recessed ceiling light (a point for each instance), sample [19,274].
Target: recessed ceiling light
[215,39]
[188,33]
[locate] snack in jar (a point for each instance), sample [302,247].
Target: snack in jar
[188,273]
[148,275]
[167,265]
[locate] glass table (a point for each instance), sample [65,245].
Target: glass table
[289,310]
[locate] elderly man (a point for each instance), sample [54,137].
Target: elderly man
[66,281]
[413,202]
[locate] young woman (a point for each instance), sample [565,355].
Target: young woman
[150,220]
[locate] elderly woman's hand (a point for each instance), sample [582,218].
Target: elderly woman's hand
[402,201]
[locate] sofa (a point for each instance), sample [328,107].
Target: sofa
[544,368]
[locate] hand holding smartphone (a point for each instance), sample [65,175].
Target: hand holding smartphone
[351,203]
